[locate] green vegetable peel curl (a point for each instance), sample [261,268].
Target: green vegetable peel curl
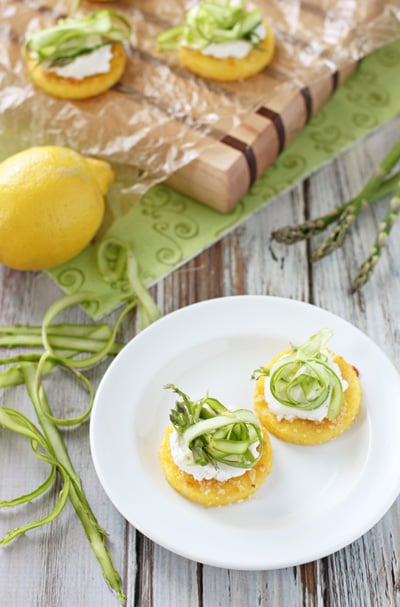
[214,433]
[304,380]
[76,36]
[213,22]
[74,348]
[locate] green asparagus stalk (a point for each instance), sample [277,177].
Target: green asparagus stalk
[351,212]
[368,266]
[312,227]
[379,185]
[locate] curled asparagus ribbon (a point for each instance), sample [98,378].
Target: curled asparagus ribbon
[75,348]
[214,433]
[76,36]
[381,184]
[213,21]
[304,380]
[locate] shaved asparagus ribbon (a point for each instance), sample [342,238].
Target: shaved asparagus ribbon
[75,36]
[304,380]
[118,265]
[214,433]
[213,21]
[65,346]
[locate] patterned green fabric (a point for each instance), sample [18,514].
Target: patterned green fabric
[166,228]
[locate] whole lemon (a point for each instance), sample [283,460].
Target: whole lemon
[51,205]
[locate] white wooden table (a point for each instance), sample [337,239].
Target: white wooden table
[55,567]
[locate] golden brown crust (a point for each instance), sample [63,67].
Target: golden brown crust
[230,69]
[213,492]
[71,88]
[308,432]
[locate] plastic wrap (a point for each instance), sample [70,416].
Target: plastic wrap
[160,117]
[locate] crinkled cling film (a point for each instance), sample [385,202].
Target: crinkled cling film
[160,117]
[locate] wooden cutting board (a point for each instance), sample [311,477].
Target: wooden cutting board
[222,173]
[308,35]
[158,107]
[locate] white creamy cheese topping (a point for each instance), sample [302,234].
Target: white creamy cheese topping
[183,458]
[290,413]
[237,49]
[96,62]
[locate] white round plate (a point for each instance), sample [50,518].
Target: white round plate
[316,499]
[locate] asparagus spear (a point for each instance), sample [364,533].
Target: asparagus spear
[312,227]
[368,266]
[379,185]
[350,213]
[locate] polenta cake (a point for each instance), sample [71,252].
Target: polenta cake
[78,58]
[221,40]
[307,395]
[212,455]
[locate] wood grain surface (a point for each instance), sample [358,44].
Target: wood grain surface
[54,566]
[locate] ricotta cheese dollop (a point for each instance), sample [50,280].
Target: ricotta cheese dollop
[290,413]
[90,64]
[237,49]
[183,458]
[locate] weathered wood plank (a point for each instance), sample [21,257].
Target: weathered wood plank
[366,572]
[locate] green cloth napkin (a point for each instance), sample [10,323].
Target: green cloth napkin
[166,228]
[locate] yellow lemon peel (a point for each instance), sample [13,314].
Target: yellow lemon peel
[51,205]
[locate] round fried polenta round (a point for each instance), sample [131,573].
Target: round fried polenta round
[230,69]
[212,492]
[305,431]
[72,88]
